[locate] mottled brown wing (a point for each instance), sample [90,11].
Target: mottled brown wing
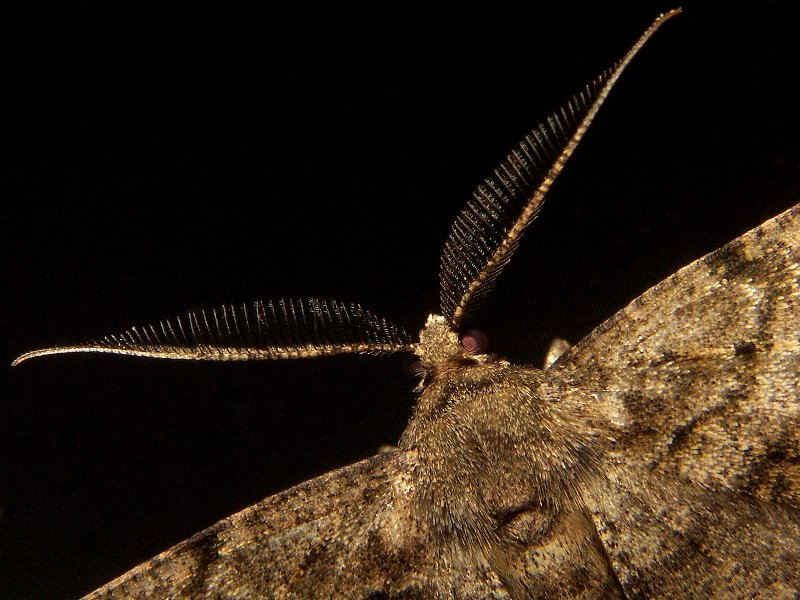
[347,534]
[699,377]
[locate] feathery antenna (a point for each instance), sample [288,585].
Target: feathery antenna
[488,229]
[259,330]
[484,236]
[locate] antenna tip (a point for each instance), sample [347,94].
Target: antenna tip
[44,352]
[20,358]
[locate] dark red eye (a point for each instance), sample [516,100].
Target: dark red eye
[475,341]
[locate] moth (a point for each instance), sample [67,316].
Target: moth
[638,463]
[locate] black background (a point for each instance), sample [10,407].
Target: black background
[153,160]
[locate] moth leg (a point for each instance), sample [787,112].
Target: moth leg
[557,347]
[383,448]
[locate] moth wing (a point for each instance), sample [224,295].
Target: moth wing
[699,380]
[349,533]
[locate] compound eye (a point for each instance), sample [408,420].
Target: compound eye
[475,341]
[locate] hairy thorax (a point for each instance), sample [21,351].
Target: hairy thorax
[503,457]
[495,441]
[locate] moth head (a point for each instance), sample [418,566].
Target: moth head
[439,346]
